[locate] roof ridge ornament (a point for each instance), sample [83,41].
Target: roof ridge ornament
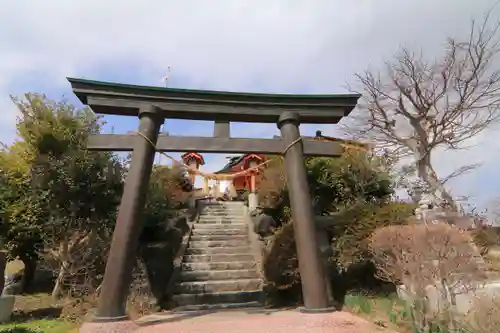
[166,77]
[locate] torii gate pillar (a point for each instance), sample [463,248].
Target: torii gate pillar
[122,254]
[313,278]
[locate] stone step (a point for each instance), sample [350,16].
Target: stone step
[223,203]
[218,257]
[217,266]
[223,221]
[201,244]
[214,286]
[223,211]
[219,298]
[217,238]
[223,207]
[220,231]
[218,306]
[235,226]
[219,275]
[216,225]
[220,217]
[219,250]
[228,233]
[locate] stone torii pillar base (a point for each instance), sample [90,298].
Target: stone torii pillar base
[253,201]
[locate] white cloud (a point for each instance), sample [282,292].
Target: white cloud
[266,45]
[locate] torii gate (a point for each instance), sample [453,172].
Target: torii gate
[152,105]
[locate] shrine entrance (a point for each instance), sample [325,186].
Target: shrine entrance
[152,105]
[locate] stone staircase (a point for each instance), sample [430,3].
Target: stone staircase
[218,269]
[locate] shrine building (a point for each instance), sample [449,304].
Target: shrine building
[249,181]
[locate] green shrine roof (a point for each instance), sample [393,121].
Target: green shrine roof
[234,160]
[112,85]
[209,105]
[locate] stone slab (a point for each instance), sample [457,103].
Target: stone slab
[464,298]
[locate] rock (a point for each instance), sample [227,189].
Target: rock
[263,224]
[13,288]
[13,284]
[6,307]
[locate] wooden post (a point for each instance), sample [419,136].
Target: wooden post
[217,189]
[253,200]
[122,255]
[206,188]
[252,164]
[252,183]
[314,284]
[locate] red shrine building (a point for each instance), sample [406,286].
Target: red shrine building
[247,182]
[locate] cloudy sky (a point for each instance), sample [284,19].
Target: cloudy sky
[282,46]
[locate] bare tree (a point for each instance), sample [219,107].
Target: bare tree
[76,257]
[418,106]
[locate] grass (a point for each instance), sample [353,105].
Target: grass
[385,311]
[38,313]
[34,313]
[38,326]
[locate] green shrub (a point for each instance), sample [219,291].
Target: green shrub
[350,264]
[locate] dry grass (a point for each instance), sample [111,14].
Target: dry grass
[485,316]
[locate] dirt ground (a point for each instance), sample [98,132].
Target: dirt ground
[289,321]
